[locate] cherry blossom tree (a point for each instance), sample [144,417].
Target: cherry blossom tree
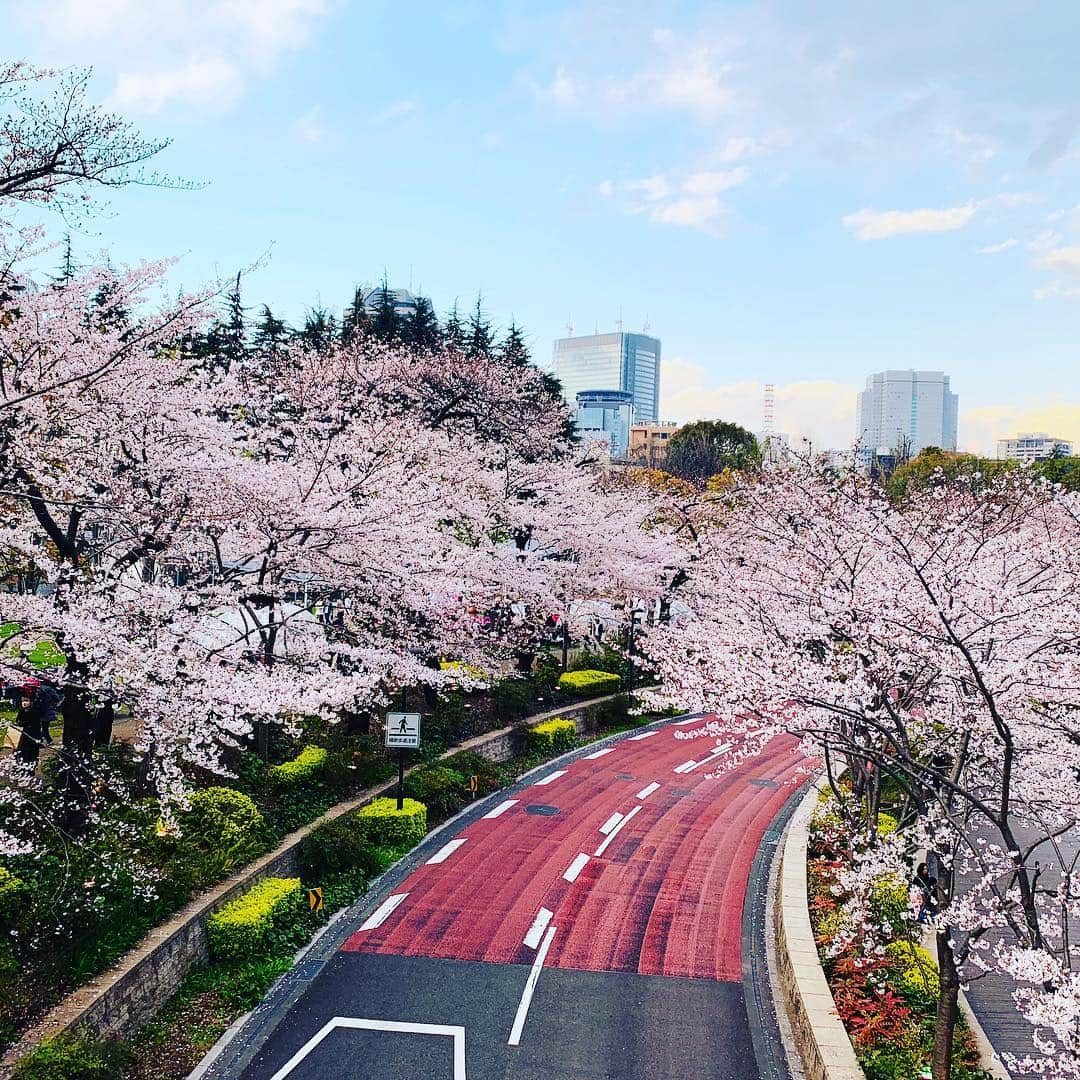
[933,648]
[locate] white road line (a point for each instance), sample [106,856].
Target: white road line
[611,823]
[692,720]
[615,832]
[686,766]
[452,1031]
[599,753]
[718,752]
[643,735]
[527,993]
[645,792]
[575,868]
[539,925]
[383,911]
[500,809]
[446,851]
[550,776]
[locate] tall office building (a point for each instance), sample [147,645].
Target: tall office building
[607,415]
[628,362]
[906,411]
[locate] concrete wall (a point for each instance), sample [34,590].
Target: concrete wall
[126,997]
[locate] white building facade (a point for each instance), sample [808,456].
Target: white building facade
[1032,446]
[906,411]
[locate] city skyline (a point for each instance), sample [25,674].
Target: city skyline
[786,197]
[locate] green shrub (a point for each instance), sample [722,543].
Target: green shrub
[612,713]
[74,1057]
[441,789]
[241,929]
[305,768]
[589,683]
[889,902]
[382,824]
[489,777]
[222,829]
[552,736]
[914,972]
[469,672]
[10,888]
[886,824]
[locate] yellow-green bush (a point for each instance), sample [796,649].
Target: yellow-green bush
[241,927]
[914,969]
[589,683]
[466,671]
[382,824]
[308,765]
[886,824]
[552,736]
[220,830]
[889,901]
[10,887]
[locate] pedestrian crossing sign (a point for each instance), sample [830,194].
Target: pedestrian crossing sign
[403,730]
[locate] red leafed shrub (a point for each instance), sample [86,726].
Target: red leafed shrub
[871,1018]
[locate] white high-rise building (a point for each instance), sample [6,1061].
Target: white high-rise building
[906,411]
[1032,446]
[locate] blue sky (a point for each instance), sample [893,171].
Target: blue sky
[787,192]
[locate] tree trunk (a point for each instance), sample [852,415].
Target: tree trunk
[77,761]
[565,644]
[947,1008]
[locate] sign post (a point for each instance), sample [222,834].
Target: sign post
[402,733]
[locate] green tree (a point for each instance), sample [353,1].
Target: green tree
[420,328]
[936,466]
[478,336]
[385,322]
[271,333]
[453,330]
[514,349]
[707,448]
[355,321]
[1061,470]
[320,329]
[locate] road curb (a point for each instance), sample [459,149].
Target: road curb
[819,1034]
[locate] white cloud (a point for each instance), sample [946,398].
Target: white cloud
[995,249]
[713,183]
[310,127]
[981,428]
[884,224]
[395,111]
[198,82]
[689,201]
[1056,288]
[693,213]
[1063,260]
[183,52]
[821,411]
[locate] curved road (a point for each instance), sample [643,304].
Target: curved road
[588,925]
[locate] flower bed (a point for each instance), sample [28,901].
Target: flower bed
[886,996]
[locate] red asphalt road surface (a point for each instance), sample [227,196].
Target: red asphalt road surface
[665,898]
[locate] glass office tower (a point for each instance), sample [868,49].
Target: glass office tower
[627,362]
[906,410]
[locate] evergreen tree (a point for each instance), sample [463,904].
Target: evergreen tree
[271,333]
[478,336]
[513,348]
[232,330]
[320,329]
[355,321]
[67,268]
[453,331]
[421,328]
[385,323]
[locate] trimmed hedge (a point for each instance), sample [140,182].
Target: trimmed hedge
[440,788]
[308,765]
[241,928]
[222,828]
[552,736]
[382,824]
[916,971]
[589,683]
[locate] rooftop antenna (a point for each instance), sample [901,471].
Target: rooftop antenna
[769,427]
[596,329]
[569,327]
[646,328]
[618,321]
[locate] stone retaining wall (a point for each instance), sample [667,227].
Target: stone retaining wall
[819,1034]
[128,995]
